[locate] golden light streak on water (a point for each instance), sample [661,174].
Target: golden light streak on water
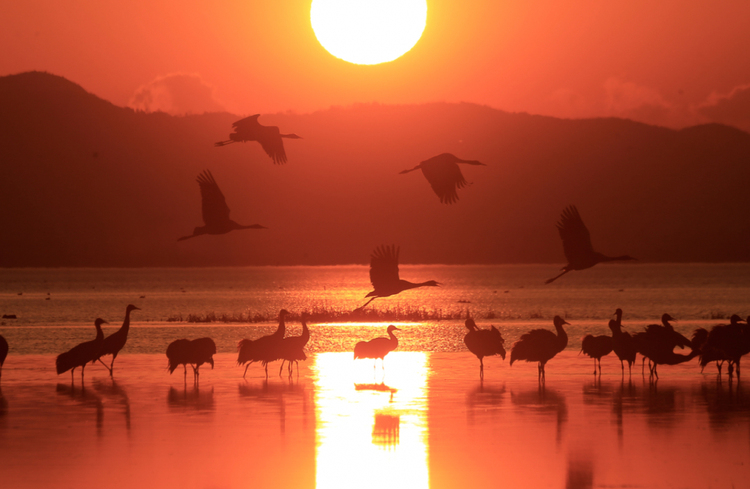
[371,424]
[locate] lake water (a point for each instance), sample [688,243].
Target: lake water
[425,420]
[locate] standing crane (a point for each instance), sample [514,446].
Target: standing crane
[81,354]
[384,275]
[265,349]
[269,137]
[540,345]
[377,347]
[444,175]
[577,244]
[293,347]
[116,341]
[483,343]
[193,352]
[215,210]
[3,352]
[622,343]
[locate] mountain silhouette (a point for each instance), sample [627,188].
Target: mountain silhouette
[87,183]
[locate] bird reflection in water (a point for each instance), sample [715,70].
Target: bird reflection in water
[485,400]
[580,474]
[195,398]
[376,387]
[115,391]
[85,397]
[274,395]
[543,402]
[726,404]
[386,430]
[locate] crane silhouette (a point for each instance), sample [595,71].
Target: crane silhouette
[81,354]
[269,137]
[540,345]
[116,341]
[293,347]
[577,244]
[384,275]
[3,352]
[215,210]
[377,347]
[656,340]
[622,343]
[483,343]
[444,175]
[265,349]
[725,342]
[596,347]
[193,352]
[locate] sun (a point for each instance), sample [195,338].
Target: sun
[368,32]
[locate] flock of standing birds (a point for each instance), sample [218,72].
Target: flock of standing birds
[723,343]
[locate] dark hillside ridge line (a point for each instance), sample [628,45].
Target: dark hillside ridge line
[88,183]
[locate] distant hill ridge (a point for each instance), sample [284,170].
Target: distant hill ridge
[87,183]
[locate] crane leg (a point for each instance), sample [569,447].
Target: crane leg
[112,366]
[282,367]
[246,366]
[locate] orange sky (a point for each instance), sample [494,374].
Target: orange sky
[673,62]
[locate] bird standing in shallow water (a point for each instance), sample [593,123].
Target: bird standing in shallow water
[3,352]
[596,347]
[269,137]
[215,210]
[444,175]
[265,349]
[484,343]
[622,343]
[384,275]
[194,352]
[116,341]
[540,345]
[293,347]
[577,244]
[81,354]
[377,347]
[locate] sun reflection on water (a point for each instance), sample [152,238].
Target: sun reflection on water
[371,423]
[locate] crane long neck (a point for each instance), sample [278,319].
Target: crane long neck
[393,338]
[99,332]
[305,331]
[562,336]
[126,322]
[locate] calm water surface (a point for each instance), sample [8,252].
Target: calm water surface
[425,421]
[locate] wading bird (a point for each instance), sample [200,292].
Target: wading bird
[193,352]
[265,349]
[596,347]
[725,342]
[384,275]
[444,175]
[658,339]
[540,345]
[293,347]
[622,343]
[215,210]
[269,137]
[116,341]
[81,354]
[577,244]
[483,343]
[3,352]
[377,347]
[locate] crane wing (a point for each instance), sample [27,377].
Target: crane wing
[215,209]
[575,236]
[384,266]
[248,123]
[273,145]
[444,176]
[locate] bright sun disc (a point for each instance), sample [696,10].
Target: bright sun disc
[368,32]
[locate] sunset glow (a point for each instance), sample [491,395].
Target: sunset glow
[362,429]
[367,32]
